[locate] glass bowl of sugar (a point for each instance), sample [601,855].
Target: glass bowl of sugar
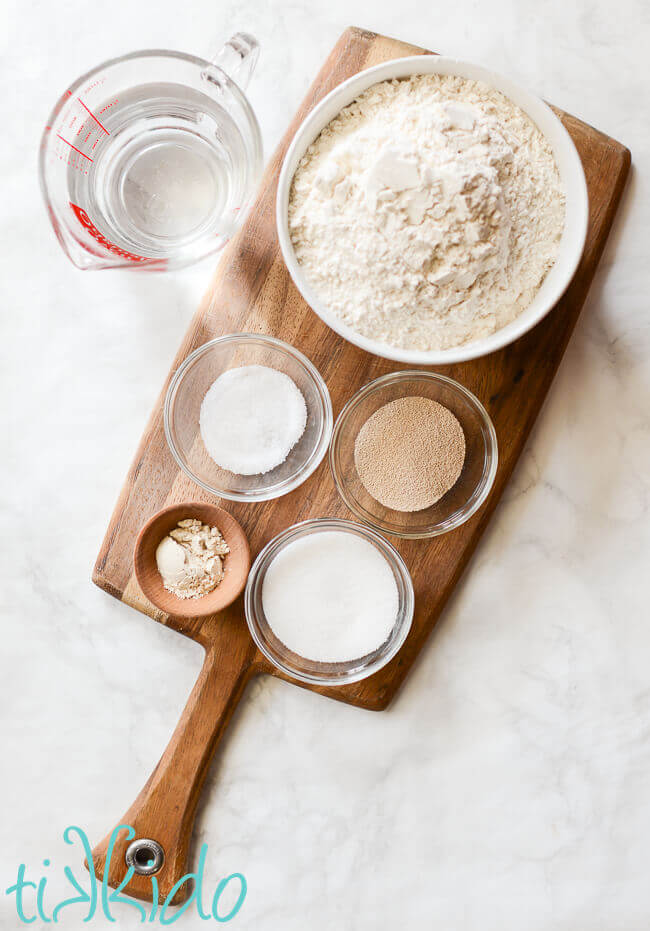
[414,454]
[329,601]
[247,417]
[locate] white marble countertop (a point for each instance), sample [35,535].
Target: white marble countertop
[508,785]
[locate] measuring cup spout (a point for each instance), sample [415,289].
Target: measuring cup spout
[238,58]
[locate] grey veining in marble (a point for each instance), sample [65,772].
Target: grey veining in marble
[508,785]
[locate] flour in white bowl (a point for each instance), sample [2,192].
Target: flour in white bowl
[428,212]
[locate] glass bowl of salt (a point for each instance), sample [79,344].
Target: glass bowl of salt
[247,417]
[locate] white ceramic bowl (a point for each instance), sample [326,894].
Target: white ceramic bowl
[568,162]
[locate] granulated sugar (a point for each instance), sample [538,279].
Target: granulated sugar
[330,597]
[410,453]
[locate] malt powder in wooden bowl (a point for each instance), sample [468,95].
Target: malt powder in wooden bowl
[236,564]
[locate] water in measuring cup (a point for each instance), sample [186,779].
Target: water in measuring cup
[168,173]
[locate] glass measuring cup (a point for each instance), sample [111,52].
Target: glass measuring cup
[150,160]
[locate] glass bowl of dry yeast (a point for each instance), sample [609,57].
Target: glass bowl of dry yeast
[414,454]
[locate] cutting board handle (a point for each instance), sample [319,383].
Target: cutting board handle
[165,808]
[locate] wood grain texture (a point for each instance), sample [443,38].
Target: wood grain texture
[165,808]
[252,292]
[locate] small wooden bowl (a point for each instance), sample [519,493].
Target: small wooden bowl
[236,564]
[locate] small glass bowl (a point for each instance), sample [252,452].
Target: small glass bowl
[474,482]
[183,404]
[306,670]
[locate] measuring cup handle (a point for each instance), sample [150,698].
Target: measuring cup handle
[238,58]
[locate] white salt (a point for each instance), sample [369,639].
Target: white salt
[251,418]
[330,597]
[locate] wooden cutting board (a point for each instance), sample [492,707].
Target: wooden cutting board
[252,291]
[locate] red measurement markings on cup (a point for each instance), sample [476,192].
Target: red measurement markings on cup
[81,131]
[99,123]
[74,147]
